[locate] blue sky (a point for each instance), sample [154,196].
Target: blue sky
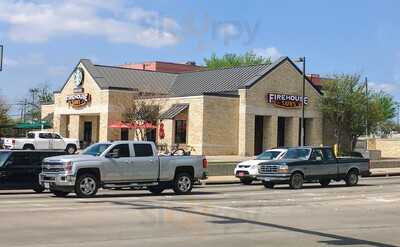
[45,39]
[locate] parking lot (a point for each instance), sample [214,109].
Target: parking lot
[214,215]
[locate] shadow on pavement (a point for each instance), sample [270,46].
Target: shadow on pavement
[221,219]
[147,194]
[286,187]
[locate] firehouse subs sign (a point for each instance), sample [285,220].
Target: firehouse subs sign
[78,100]
[286,100]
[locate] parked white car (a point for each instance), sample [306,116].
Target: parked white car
[247,170]
[42,140]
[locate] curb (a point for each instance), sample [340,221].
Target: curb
[237,181]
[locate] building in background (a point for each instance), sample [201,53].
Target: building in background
[233,111]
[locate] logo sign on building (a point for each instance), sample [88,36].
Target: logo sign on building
[286,100]
[78,100]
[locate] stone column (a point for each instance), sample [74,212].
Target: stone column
[246,127]
[270,132]
[57,124]
[314,131]
[292,131]
[63,125]
[103,127]
[74,126]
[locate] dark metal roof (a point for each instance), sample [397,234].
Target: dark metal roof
[109,77]
[219,80]
[222,81]
[173,111]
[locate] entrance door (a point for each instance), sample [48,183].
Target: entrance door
[281,132]
[258,134]
[87,133]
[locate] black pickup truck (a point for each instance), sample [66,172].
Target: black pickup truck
[312,164]
[20,169]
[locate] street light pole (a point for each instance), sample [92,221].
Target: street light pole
[302,122]
[302,105]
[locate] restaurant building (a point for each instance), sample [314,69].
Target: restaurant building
[232,111]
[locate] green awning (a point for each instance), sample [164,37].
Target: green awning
[33,125]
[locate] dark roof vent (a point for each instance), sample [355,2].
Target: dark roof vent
[193,63]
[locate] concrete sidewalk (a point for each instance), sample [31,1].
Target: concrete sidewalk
[378,172]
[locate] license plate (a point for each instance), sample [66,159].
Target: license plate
[241,174]
[267,179]
[47,185]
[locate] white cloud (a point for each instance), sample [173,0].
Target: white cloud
[113,20]
[392,88]
[271,52]
[228,30]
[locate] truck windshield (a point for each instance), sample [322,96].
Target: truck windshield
[268,155]
[3,157]
[297,153]
[96,149]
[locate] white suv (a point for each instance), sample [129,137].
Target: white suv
[247,170]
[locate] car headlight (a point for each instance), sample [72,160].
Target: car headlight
[68,166]
[283,169]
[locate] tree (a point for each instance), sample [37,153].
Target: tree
[38,96]
[344,106]
[140,110]
[230,60]
[4,118]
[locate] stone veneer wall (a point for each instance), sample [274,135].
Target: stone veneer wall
[389,147]
[221,120]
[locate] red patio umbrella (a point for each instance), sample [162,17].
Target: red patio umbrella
[144,126]
[120,125]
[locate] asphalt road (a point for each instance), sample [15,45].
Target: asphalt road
[214,215]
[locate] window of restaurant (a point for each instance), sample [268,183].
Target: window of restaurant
[151,135]
[124,134]
[180,131]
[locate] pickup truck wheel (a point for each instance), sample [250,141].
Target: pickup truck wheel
[246,181]
[38,189]
[86,185]
[351,178]
[28,147]
[71,149]
[296,181]
[156,190]
[60,193]
[183,184]
[268,185]
[324,182]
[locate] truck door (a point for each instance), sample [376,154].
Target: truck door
[117,164]
[323,166]
[43,141]
[58,142]
[145,165]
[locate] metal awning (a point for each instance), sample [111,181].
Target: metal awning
[33,125]
[173,111]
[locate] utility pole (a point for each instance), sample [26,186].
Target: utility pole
[398,113]
[1,57]
[367,106]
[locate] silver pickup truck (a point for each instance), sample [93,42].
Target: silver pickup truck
[312,164]
[121,164]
